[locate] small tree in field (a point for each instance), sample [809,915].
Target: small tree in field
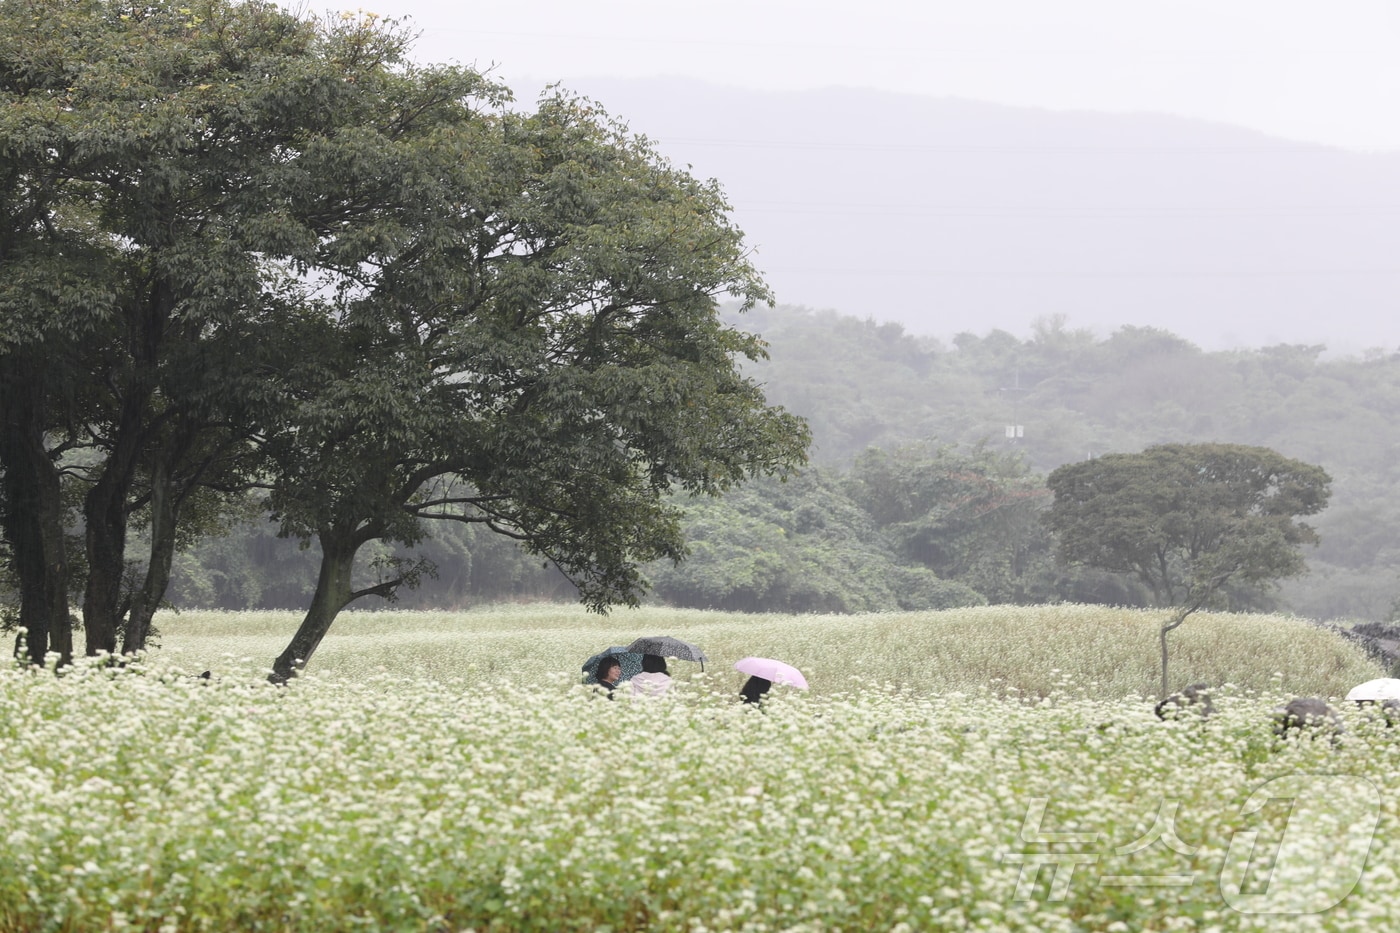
[1188,520]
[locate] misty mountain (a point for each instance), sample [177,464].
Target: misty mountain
[949,215]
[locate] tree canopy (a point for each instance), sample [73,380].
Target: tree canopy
[1188,520]
[967,515]
[548,364]
[246,248]
[804,545]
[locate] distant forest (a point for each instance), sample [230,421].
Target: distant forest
[927,476]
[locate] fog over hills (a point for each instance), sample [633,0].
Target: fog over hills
[949,215]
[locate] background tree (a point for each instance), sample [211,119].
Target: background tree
[797,546]
[1188,520]
[860,382]
[971,515]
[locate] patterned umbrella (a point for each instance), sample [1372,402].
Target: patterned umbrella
[631,662]
[668,647]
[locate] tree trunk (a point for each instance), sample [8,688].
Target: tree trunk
[1176,620]
[333,593]
[165,513]
[105,514]
[33,520]
[105,510]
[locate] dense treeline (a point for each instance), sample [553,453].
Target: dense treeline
[917,527]
[1077,395]
[917,498]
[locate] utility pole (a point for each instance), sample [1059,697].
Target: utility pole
[1015,430]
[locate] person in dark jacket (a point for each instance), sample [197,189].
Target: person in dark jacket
[609,673]
[754,688]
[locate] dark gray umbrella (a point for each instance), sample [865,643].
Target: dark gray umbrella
[631,663]
[668,647]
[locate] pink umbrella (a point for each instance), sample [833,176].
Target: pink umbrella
[769,669]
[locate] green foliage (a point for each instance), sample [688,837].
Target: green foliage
[246,245]
[861,383]
[325,233]
[251,567]
[546,364]
[919,526]
[970,516]
[1188,520]
[797,546]
[159,176]
[1083,395]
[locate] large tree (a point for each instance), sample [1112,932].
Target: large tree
[142,144]
[533,347]
[247,247]
[55,301]
[1189,521]
[179,182]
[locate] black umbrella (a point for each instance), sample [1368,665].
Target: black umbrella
[631,662]
[667,647]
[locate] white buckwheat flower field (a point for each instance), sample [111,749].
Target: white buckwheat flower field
[983,769]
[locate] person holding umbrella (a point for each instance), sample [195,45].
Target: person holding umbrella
[764,673]
[630,662]
[754,689]
[1383,693]
[655,678]
[609,673]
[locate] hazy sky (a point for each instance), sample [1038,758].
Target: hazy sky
[1303,69]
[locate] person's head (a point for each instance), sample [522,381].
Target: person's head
[609,671]
[654,664]
[754,688]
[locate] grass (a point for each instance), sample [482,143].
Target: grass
[1009,649]
[437,772]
